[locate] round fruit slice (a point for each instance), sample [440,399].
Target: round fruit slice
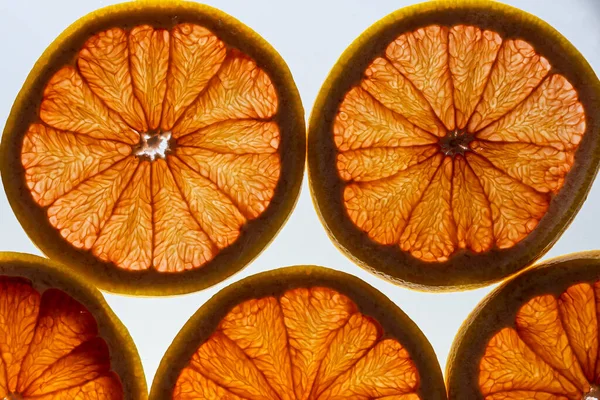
[453,143]
[156,147]
[59,340]
[299,333]
[534,338]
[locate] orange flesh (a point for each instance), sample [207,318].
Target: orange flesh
[552,353]
[310,343]
[161,136]
[455,139]
[49,347]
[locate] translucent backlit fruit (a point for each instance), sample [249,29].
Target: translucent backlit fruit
[536,337]
[59,339]
[299,333]
[453,143]
[157,147]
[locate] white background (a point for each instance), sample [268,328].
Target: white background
[310,35]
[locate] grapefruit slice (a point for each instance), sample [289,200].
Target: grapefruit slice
[535,337]
[299,333]
[453,143]
[59,339]
[156,147]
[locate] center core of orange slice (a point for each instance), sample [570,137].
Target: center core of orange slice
[13,396]
[153,145]
[593,394]
[456,142]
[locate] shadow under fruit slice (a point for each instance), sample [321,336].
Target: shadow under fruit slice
[156,147]
[299,333]
[453,143]
[59,340]
[534,338]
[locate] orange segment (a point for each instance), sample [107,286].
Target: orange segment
[312,318]
[363,122]
[80,214]
[248,179]
[517,71]
[70,105]
[222,361]
[106,387]
[214,211]
[516,208]
[236,137]
[241,90]
[19,307]
[349,345]
[256,326]
[181,245]
[56,161]
[525,395]
[149,58]
[104,63]
[192,385]
[196,56]
[422,57]
[380,162]
[471,209]
[386,370]
[62,325]
[577,307]
[539,326]
[430,233]
[551,116]
[542,168]
[382,208]
[131,219]
[508,365]
[472,54]
[386,84]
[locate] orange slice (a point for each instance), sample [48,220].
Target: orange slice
[535,337]
[156,147]
[59,339]
[299,333]
[452,144]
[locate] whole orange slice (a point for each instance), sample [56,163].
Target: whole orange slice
[453,143]
[299,333]
[156,147]
[534,338]
[59,340]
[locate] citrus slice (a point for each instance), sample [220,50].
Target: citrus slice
[59,340]
[453,143]
[534,338]
[299,333]
[156,147]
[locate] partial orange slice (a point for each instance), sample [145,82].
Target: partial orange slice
[59,339]
[299,333]
[452,144]
[156,147]
[535,337]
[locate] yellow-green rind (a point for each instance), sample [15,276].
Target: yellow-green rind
[396,324]
[498,310]
[465,269]
[256,235]
[45,274]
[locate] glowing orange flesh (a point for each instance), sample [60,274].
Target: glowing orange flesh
[551,353]
[49,347]
[409,183]
[86,165]
[308,344]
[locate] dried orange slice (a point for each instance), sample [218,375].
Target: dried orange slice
[156,147]
[59,340]
[453,143]
[299,333]
[534,338]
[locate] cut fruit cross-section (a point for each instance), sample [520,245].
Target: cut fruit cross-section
[299,333]
[59,340]
[165,151]
[453,143]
